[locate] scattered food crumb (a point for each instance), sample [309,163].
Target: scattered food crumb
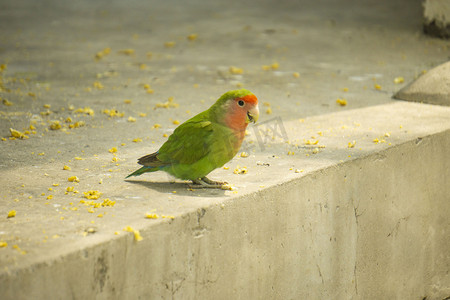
[399,80]
[92,195]
[17,134]
[244,154]
[168,217]
[151,216]
[106,202]
[170,44]
[73,179]
[309,142]
[128,52]
[240,170]
[86,110]
[76,124]
[98,85]
[192,37]
[341,102]
[99,55]
[226,187]
[16,247]
[113,113]
[6,102]
[168,104]
[236,71]
[378,141]
[137,235]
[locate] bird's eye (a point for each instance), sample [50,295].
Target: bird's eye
[241,103]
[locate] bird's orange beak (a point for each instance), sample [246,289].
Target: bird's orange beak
[253,114]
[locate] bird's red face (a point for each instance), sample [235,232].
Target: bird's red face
[241,111]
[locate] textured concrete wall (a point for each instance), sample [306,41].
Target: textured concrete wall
[375,227]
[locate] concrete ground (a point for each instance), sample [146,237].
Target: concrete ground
[111,65]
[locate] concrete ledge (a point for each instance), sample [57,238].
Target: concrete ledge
[432,87]
[365,222]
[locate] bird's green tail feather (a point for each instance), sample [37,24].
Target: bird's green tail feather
[142,171]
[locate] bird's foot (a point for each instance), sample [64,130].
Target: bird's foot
[212,182]
[204,183]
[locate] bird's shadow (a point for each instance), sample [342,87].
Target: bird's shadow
[178,188]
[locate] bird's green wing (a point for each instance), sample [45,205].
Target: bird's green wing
[190,142]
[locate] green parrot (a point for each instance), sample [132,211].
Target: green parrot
[206,141]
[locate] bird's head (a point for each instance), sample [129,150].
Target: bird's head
[237,108]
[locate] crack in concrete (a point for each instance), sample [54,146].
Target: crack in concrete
[355,269]
[397,225]
[315,258]
[200,230]
[172,288]
[200,214]
[101,271]
[320,273]
[355,279]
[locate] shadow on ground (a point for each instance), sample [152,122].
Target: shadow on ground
[178,188]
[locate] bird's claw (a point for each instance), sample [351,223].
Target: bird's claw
[202,183]
[212,182]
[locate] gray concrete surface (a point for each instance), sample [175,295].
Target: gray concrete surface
[53,45]
[391,221]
